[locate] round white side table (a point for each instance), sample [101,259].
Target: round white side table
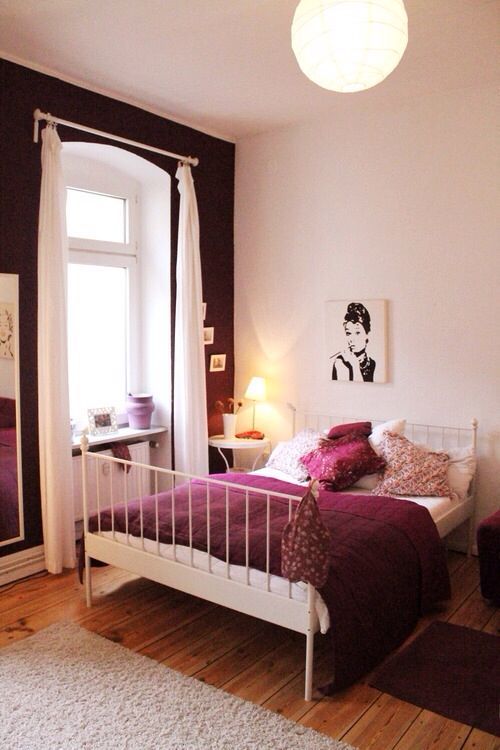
[239,444]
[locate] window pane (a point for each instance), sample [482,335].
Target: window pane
[94,216]
[97,337]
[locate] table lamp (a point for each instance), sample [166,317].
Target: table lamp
[256,391]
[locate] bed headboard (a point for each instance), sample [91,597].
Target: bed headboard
[438,437]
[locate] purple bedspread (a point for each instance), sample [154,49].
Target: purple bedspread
[388,564]
[9,497]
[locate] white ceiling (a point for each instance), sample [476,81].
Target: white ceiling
[226,66]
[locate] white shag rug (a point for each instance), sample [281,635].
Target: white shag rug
[67,689]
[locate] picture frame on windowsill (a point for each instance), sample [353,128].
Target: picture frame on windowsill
[102,420]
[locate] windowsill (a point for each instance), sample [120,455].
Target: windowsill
[121,434]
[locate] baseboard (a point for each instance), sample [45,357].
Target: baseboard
[21,564]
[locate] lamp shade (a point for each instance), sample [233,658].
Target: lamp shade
[256,390]
[349,45]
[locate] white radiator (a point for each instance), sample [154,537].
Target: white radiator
[111,478]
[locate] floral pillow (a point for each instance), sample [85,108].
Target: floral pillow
[461,469]
[286,456]
[396,426]
[412,470]
[339,463]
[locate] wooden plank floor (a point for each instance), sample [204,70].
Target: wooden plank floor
[252,659]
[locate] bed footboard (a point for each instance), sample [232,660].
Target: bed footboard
[209,538]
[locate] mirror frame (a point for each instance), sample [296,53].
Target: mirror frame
[17,395]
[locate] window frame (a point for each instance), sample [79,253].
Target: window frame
[128,248]
[115,254]
[105,245]
[81,257]
[94,176]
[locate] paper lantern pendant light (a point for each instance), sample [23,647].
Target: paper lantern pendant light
[349,45]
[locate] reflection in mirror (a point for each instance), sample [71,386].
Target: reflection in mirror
[11,493]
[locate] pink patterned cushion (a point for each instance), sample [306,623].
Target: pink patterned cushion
[412,470]
[339,463]
[339,430]
[286,456]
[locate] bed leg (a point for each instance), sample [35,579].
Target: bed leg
[88,582]
[311,593]
[309,665]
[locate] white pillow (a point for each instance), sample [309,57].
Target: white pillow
[462,466]
[367,482]
[286,456]
[461,469]
[396,426]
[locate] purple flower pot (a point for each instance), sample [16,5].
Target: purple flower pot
[140,406]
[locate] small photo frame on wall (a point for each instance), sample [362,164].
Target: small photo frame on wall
[217,362]
[7,330]
[102,420]
[208,336]
[204,309]
[356,340]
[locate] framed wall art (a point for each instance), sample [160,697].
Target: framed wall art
[217,362]
[208,336]
[356,340]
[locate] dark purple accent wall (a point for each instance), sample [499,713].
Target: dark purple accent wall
[22,90]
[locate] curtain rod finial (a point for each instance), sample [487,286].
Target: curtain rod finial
[36,117]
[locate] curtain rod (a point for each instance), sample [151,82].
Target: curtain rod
[39,115]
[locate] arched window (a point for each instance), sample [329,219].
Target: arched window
[118,220]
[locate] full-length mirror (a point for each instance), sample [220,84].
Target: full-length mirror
[11,493]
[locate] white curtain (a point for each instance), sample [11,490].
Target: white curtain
[190,394]
[56,477]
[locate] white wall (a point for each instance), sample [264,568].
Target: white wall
[398,205]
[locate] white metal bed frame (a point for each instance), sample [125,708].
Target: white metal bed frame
[265,604]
